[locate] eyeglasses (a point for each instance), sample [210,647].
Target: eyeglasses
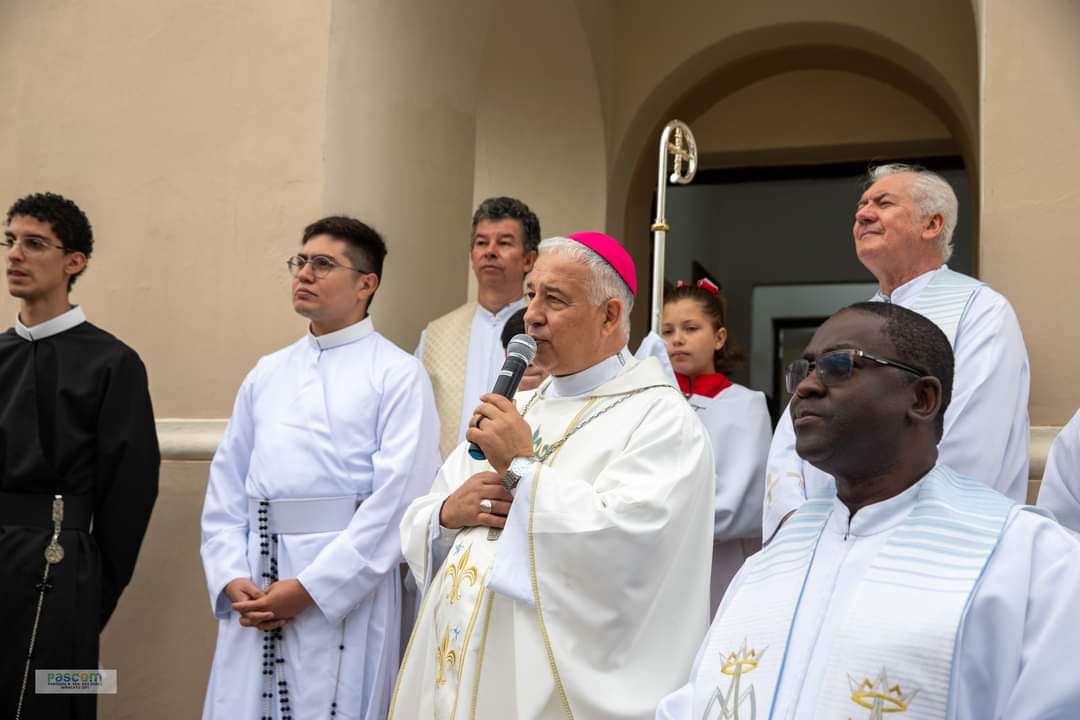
[321,265]
[31,244]
[837,366]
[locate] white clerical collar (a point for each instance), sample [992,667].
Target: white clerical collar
[590,378]
[60,323]
[502,313]
[344,336]
[904,294]
[876,518]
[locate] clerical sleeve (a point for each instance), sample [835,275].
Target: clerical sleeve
[1050,636]
[361,556]
[986,423]
[785,485]
[619,556]
[1019,631]
[225,512]
[1060,489]
[424,542]
[128,464]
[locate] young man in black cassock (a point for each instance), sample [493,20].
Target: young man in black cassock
[77,430]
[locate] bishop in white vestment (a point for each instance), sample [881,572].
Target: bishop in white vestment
[566,575]
[913,593]
[903,235]
[329,441]
[1059,491]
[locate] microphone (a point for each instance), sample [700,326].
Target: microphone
[520,351]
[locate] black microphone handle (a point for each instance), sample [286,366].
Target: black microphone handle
[506,383]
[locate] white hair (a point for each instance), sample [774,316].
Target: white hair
[933,194]
[606,283]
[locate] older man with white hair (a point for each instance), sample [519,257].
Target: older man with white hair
[566,575]
[903,230]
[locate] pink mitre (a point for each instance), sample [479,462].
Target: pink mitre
[613,252]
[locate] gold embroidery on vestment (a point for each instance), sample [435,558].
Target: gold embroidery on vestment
[736,664]
[879,697]
[458,572]
[465,645]
[445,657]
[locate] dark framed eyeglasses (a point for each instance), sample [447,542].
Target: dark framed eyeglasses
[32,244]
[837,366]
[321,265]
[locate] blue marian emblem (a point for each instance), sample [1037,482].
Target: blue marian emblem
[540,449]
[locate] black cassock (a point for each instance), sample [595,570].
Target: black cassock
[75,420]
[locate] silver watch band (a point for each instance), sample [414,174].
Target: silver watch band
[518,467]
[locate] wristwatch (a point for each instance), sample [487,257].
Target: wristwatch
[518,467]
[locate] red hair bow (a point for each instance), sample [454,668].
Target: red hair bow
[704,283]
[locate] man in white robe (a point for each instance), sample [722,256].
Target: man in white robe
[462,350]
[566,575]
[903,230]
[1059,491]
[330,439]
[914,591]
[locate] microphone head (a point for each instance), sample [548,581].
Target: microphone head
[523,346]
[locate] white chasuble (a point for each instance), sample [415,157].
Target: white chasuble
[986,424]
[945,601]
[590,602]
[343,414]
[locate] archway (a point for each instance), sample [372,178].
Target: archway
[735,63]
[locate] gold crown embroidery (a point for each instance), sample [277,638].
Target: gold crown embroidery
[879,697]
[735,665]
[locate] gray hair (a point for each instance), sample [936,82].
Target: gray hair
[606,283]
[933,194]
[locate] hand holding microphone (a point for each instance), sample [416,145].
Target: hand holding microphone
[499,428]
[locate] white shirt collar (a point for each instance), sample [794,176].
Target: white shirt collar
[344,336]
[908,291]
[590,378]
[876,518]
[500,315]
[60,323]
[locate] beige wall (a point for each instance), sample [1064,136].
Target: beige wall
[539,118]
[400,145]
[192,135]
[672,69]
[1031,185]
[808,109]
[161,638]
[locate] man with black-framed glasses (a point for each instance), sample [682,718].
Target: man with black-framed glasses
[903,232]
[914,590]
[330,440]
[78,464]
